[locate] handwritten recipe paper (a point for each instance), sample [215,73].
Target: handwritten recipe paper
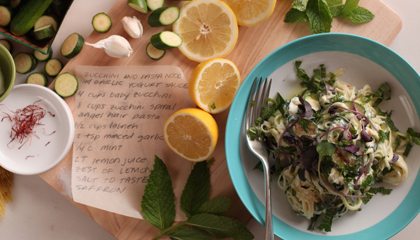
[119,117]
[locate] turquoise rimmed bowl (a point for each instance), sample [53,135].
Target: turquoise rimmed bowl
[366,62]
[7,66]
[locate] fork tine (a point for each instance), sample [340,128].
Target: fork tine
[262,99]
[257,103]
[248,120]
[267,92]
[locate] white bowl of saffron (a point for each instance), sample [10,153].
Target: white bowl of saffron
[36,130]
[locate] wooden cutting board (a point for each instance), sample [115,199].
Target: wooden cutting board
[253,45]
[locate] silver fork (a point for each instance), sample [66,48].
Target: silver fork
[258,147]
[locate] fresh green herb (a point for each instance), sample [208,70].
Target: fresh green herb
[368,182]
[398,142]
[390,123]
[254,132]
[213,106]
[383,135]
[345,143]
[327,220]
[337,97]
[293,192]
[386,171]
[326,164]
[413,136]
[304,124]
[258,121]
[382,190]
[407,149]
[335,133]
[320,13]
[367,198]
[204,220]
[313,221]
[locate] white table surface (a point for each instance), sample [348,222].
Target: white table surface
[40,212]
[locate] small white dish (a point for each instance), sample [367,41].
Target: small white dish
[43,153]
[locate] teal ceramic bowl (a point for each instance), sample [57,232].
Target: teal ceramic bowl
[7,66]
[366,62]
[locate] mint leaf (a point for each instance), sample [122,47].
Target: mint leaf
[158,203]
[335,7]
[327,220]
[216,206]
[334,2]
[189,233]
[300,4]
[319,16]
[294,15]
[413,136]
[361,15]
[220,226]
[348,8]
[196,190]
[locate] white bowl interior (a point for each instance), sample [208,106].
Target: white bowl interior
[359,71]
[37,155]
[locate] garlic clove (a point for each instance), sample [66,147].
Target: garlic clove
[132,26]
[115,46]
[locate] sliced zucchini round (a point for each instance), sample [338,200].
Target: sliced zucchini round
[7,44]
[165,40]
[45,21]
[37,78]
[66,84]
[72,45]
[24,62]
[101,22]
[138,5]
[154,53]
[163,16]
[5,16]
[44,32]
[43,57]
[53,67]
[154,4]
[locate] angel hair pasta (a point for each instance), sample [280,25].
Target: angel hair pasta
[332,143]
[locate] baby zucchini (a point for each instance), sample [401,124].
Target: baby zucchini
[5,16]
[165,40]
[163,16]
[53,67]
[25,19]
[42,57]
[7,44]
[154,4]
[101,22]
[153,52]
[44,32]
[66,85]
[37,78]
[138,5]
[72,45]
[24,62]
[45,21]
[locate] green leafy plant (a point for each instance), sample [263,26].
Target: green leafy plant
[205,219]
[320,13]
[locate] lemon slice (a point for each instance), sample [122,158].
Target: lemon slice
[251,12]
[208,29]
[213,84]
[192,134]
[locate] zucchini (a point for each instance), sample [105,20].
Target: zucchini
[66,85]
[7,44]
[53,67]
[155,4]
[37,78]
[101,22]
[138,5]
[165,40]
[43,57]
[72,45]
[25,19]
[163,16]
[5,16]
[24,62]
[45,21]
[153,52]
[44,32]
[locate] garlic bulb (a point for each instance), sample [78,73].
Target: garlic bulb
[132,26]
[115,46]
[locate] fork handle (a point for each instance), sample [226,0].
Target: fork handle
[269,231]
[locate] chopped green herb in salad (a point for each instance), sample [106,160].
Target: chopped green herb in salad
[332,143]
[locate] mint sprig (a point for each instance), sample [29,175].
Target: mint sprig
[320,13]
[204,215]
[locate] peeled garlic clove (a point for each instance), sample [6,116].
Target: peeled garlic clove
[115,46]
[132,26]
